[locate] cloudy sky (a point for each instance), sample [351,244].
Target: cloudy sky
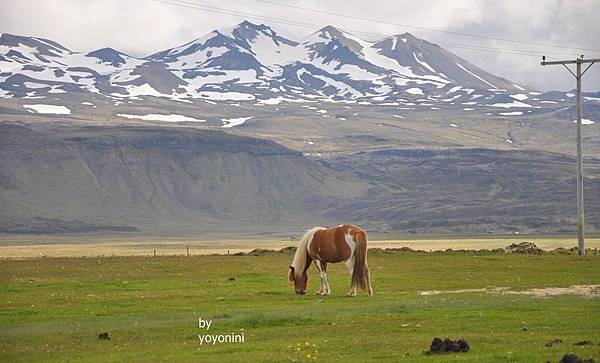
[142,27]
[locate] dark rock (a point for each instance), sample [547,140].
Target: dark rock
[573,358]
[449,346]
[437,346]
[584,342]
[104,336]
[231,279]
[463,346]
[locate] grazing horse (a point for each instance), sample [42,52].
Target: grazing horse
[331,245]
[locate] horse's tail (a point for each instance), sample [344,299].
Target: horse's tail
[360,273]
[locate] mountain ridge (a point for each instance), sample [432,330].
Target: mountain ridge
[253,60]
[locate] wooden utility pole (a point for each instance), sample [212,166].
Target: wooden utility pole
[580,218]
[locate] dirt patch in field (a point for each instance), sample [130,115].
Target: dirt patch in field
[462,291]
[587,291]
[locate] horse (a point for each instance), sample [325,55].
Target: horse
[331,245]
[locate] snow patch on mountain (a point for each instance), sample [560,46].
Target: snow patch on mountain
[161,117]
[585,121]
[414,91]
[48,109]
[231,122]
[520,96]
[514,104]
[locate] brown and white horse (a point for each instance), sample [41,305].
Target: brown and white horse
[331,245]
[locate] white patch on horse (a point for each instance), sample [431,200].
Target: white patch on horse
[317,257]
[352,245]
[299,261]
[324,289]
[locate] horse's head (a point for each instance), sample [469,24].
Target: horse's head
[300,280]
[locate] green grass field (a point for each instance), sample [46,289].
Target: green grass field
[53,309]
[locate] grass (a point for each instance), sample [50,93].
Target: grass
[52,309]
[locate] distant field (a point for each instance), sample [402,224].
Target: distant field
[52,309]
[24,246]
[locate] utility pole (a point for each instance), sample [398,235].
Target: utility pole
[580,218]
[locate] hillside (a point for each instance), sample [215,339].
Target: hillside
[57,179]
[99,178]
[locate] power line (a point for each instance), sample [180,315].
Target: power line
[536,53]
[196,6]
[190,5]
[379,21]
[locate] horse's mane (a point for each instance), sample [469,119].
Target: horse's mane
[299,261]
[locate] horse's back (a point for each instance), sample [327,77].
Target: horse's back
[332,244]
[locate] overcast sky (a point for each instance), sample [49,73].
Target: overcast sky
[142,27]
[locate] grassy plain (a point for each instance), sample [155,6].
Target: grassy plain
[52,309]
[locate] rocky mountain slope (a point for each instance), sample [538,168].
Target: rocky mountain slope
[102,178]
[64,179]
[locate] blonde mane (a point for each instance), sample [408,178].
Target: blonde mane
[299,261]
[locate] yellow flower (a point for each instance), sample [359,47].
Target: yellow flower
[306,343]
[308,356]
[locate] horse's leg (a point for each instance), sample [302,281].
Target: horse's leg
[321,290]
[327,290]
[350,267]
[369,288]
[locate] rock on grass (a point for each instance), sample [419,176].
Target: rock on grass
[449,346]
[573,358]
[104,336]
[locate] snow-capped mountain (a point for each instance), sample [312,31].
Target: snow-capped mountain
[252,62]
